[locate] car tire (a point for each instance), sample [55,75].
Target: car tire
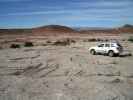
[92,52]
[111,53]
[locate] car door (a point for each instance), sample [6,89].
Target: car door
[106,47]
[100,48]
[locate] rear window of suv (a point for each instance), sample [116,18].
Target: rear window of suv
[107,45]
[112,45]
[115,45]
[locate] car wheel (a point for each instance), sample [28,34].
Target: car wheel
[93,52]
[111,53]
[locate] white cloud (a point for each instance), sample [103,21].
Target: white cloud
[73,12]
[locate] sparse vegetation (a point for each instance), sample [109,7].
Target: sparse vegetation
[123,39]
[28,44]
[93,40]
[64,42]
[61,43]
[130,39]
[48,42]
[15,46]
[99,39]
[73,41]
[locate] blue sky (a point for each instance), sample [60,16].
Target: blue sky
[88,13]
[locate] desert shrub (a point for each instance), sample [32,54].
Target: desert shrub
[68,41]
[62,43]
[15,46]
[98,39]
[73,41]
[106,40]
[92,40]
[123,39]
[48,41]
[130,39]
[28,44]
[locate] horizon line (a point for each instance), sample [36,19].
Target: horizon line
[71,26]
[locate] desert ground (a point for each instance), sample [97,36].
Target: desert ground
[70,72]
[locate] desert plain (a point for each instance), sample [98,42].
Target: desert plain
[50,71]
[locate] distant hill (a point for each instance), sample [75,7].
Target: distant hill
[89,28]
[127,28]
[53,29]
[64,30]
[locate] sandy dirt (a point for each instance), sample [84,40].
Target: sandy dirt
[65,73]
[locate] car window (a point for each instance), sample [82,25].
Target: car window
[107,45]
[101,45]
[112,45]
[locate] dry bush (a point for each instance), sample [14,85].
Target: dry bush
[15,46]
[28,44]
[62,42]
[72,41]
[130,39]
[98,39]
[48,42]
[93,40]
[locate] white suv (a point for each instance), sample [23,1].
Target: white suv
[109,48]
